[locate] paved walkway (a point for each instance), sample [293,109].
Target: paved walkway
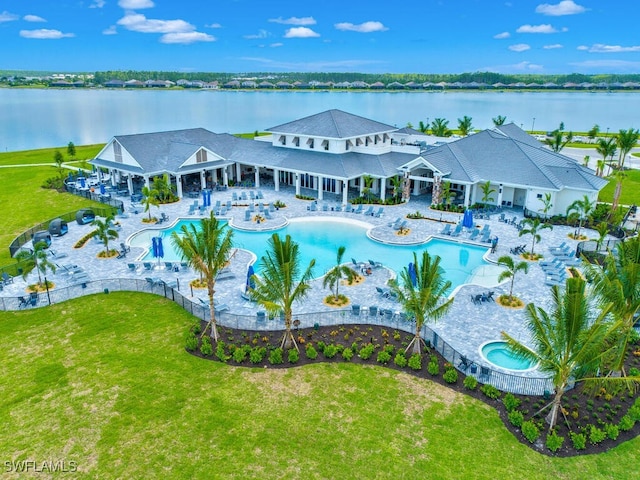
[466,327]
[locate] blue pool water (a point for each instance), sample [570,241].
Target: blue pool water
[499,354]
[320,240]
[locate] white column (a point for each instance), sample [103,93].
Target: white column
[500,196]
[416,187]
[276,180]
[146,181]
[225,177]
[383,188]
[130,184]
[467,195]
[238,173]
[203,179]
[320,190]
[113,177]
[214,174]
[257,177]
[361,185]
[345,191]
[297,184]
[179,186]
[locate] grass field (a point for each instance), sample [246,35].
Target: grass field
[100,383]
[630,189]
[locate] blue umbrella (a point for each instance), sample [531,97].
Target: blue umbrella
[467,219]
[160,247]
[102,189]
[154,247]
[251,284]
[208,198]
[204,198]
[82,184]
[412,273]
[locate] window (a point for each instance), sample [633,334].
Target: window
[539,195]
[296,141]
[283,139]
[348,145]
[325,144]
[117,152]
[201,156]
[310,142]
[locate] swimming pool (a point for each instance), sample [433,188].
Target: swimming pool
[498,353]
[320,239]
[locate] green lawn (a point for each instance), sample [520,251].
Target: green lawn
[45,155]
[630,189]
[104,381]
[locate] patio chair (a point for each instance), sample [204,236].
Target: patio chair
[373,311]
[383,292]
[355,310]
[474,234]
[261,316]
[379,213]
[224,274]
[325,207]
[132,267]
[247,215]
[23,302]
[464,363]
[153,281]
[457,231]
[259,195]
[267,215]
[358,209]
[485,374]
[446,230]
[375,264]
[369,211]
[6,278]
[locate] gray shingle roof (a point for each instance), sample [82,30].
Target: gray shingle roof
[332,124]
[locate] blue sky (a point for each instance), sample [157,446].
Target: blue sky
[426,36]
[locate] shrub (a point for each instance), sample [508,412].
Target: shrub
[490,391]
[634,372]
[206,348]
[433,368]
[196,328]
[596,435]
[275,356]
[579,440]
[220,352]
[366,352]
[311,352]
[239,355]
[626,423]
[510,402]
[415,362]
[293,355]
[256,355]
[554,441]
[347,354]
[612,431]
[530,431]
[384,357]
[451,375]
[321,346]
[634,411]
[515,417]
[191,342]
[330,351]
[470,383]
[400,360]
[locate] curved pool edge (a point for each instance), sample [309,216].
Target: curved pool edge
[510,371]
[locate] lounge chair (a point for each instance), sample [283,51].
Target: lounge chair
[132,267]
[383,292]
[243,196]
[349,208]
[474,234]
[373,311]
[486,237]
[247,215]
[401,225]
[6,278]
[153,281]
[369,211]
[375,264]
[261,316]
[224,274]
[355,310]
[170,284]
[325,207]
[358,209]
[259,195]
[379,213]
[338,207]
[357,266]
[446,230]
[192,210]
[313,207]
[81,279]
[395,222]
[147,265]
[267,215]
[457,231]
[560,247]
[121,254]
[220,307]
[55,255]
[23,302]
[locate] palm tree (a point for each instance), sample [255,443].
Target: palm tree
[335,275]
[423,127]
[207,250]
[445,193]
[607,148]
[163,187]
[583,209]
[396,183]
[464,125]
[567,343]
[619,176]
[626,140]
[593,133]
[532,226]
[546,204]
[511,268]
[105,231]
[423,296]
[282,282]
[600,164]
[439,127]
[617,282]
[149,197]
[487,191]
[558,140]
[36,259]
[499,120]
[367,181]
[603,229]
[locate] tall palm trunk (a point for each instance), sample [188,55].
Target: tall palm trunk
[287,339]
[212,313]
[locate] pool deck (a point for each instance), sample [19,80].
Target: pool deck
[467,326]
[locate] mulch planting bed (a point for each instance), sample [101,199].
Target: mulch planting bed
[600,421]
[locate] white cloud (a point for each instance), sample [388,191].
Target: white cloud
[187,38]
[502,35]
[582,47]
[97,4]
[527,66]
[366,27]
[44,34]
[8,17]
[112,30]
[552,46]
[214,25]
[277,44]
[294,20]
[33,18]
[519,47]
[300,32]
[261,34]
[565,7]
[601,48]
[137,22]
[546,28]
[135,4]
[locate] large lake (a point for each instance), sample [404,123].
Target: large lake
[38,118]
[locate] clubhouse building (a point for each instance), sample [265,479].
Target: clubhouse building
[338,153]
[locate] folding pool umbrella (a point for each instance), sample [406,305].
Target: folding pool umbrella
[208,198]
[82,182]
[102,189]
[250,283]
[157,249]
[467,219]
[204,198]
[412,273]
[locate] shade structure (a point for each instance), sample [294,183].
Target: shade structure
[467,219]
[412,273]
[251,284]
